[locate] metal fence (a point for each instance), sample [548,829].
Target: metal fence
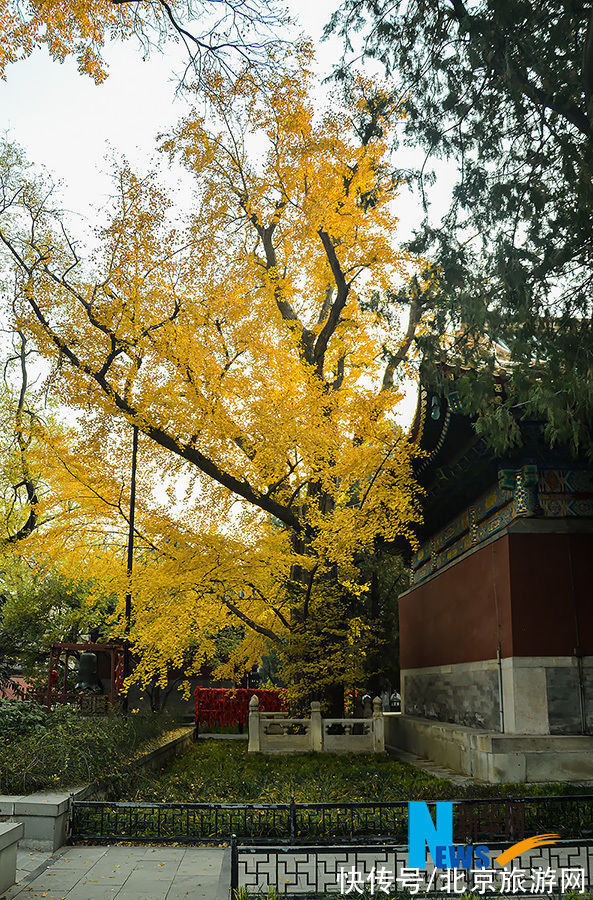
[316,871]
[191,823]
[485,820]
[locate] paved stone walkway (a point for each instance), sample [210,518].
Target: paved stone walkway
[29,860]
[125,873]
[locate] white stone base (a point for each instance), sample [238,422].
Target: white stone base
[491,756]
[275,733]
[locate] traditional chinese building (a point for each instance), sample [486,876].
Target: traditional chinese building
[496,631]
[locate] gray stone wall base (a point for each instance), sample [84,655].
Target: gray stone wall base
[539,694]
[157,758]
[10,834]
[491,756]
[44,817]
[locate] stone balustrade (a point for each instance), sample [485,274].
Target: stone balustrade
[277,733]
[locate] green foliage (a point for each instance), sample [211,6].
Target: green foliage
[505,91]
[344,633]
[37,610]
[324,651]
[387,578]
[223,772]
[19,717]
[54,748]
[244,893]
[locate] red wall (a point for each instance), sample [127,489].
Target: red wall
[518,590]
[544,569]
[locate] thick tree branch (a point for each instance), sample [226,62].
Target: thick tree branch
[326,306]
[266,235]
[342,291]
[155,432]
[28,482]
[261,629]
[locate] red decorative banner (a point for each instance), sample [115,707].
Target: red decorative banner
[228,706]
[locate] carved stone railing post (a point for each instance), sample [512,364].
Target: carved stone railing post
[378,727]
[254,735]
[316,726]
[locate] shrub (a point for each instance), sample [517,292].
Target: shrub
[20,716]
[60,748]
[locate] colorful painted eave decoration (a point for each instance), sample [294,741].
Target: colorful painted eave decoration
[522,490]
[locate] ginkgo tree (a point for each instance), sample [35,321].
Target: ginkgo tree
[245,342]
[214,33]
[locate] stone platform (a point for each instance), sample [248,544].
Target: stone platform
[491,756]
[125,873]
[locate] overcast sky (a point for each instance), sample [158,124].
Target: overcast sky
[71,125]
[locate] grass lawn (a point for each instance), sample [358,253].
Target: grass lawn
[222,771]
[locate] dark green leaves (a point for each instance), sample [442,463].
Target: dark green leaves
[498,88]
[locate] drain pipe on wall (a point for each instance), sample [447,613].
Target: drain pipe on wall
[500,696]
[577,652]
[498,652]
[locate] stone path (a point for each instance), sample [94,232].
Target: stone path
[125,873]
[29,860]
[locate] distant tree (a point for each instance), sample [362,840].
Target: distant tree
[38,610]
[505,90]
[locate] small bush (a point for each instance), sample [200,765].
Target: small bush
[17,717]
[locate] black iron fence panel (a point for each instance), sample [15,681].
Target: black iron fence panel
[178,822]
[333,820]
[488,820]
[514,818]
[571,816]
[474,821]
[314,871]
